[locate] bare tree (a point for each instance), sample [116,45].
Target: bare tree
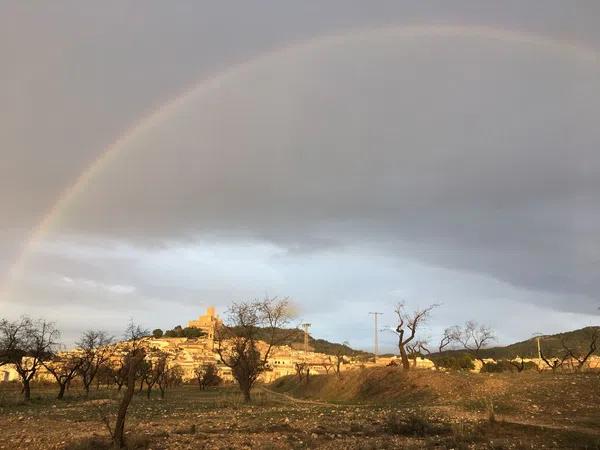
[554,363]
[301,370]
[581,357]
[11,339]
[134,356]
[327,365]
[207,375]
[106,374]
[518,363]
[155,365]
[159,370]
[474,338]
[118,370]
[416,349]
[95,346]
[26,344]
[63,368]
[172,375]
[244,343]
[445,340]
[339,359]
[406,328]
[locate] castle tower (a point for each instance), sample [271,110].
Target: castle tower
[207,322]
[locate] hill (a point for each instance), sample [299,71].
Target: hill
[295,338]
[551,345]
[292,337]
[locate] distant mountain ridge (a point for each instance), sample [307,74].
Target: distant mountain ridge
[551,345]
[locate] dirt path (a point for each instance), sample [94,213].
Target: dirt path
[549,426]
[451,413]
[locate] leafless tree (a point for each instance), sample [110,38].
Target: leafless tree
[155,365]
[134,356]
[158,370]
[207,375]
[171,376]
[63,368]
[327,365]
[581,357]
[244,343]
[302,370]
[556,362]
[106,374]
[96,349]
[339,359]
[26,344]
[406,328]
[474,338]
[445,340]
[415,349]
[11,339]
[518,363]
[118,370]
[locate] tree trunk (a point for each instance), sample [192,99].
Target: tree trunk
[61,392]
[86,387]
[119,434]
[404,356]
[148,390]
[26,390]
[246,392]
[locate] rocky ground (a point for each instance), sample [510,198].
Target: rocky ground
[528,412]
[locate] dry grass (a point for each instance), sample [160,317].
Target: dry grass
[381,408]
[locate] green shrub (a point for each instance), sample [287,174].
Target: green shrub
[189,332]
[158,333]
[460,362]
[498,367]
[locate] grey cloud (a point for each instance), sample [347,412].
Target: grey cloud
[472,155]
[478,157]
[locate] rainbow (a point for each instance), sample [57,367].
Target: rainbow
[157,116]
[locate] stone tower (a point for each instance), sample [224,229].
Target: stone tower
[207,322]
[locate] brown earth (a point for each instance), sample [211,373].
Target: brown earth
[373,409]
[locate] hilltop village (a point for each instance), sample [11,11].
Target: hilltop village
[188,353]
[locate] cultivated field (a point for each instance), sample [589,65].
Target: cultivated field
[366,409]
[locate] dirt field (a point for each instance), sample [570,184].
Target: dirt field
[373,409]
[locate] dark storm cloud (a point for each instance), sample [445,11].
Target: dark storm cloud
[475,155]
[483,160]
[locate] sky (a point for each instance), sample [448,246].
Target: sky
[161,157]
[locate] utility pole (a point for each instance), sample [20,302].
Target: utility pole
[305,326]
[375,338]
[539,349]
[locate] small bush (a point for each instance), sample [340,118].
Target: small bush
[132,442]
[356,427]
[186,430]
[498,367]
[460,362]
[91,443]
[413,425]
